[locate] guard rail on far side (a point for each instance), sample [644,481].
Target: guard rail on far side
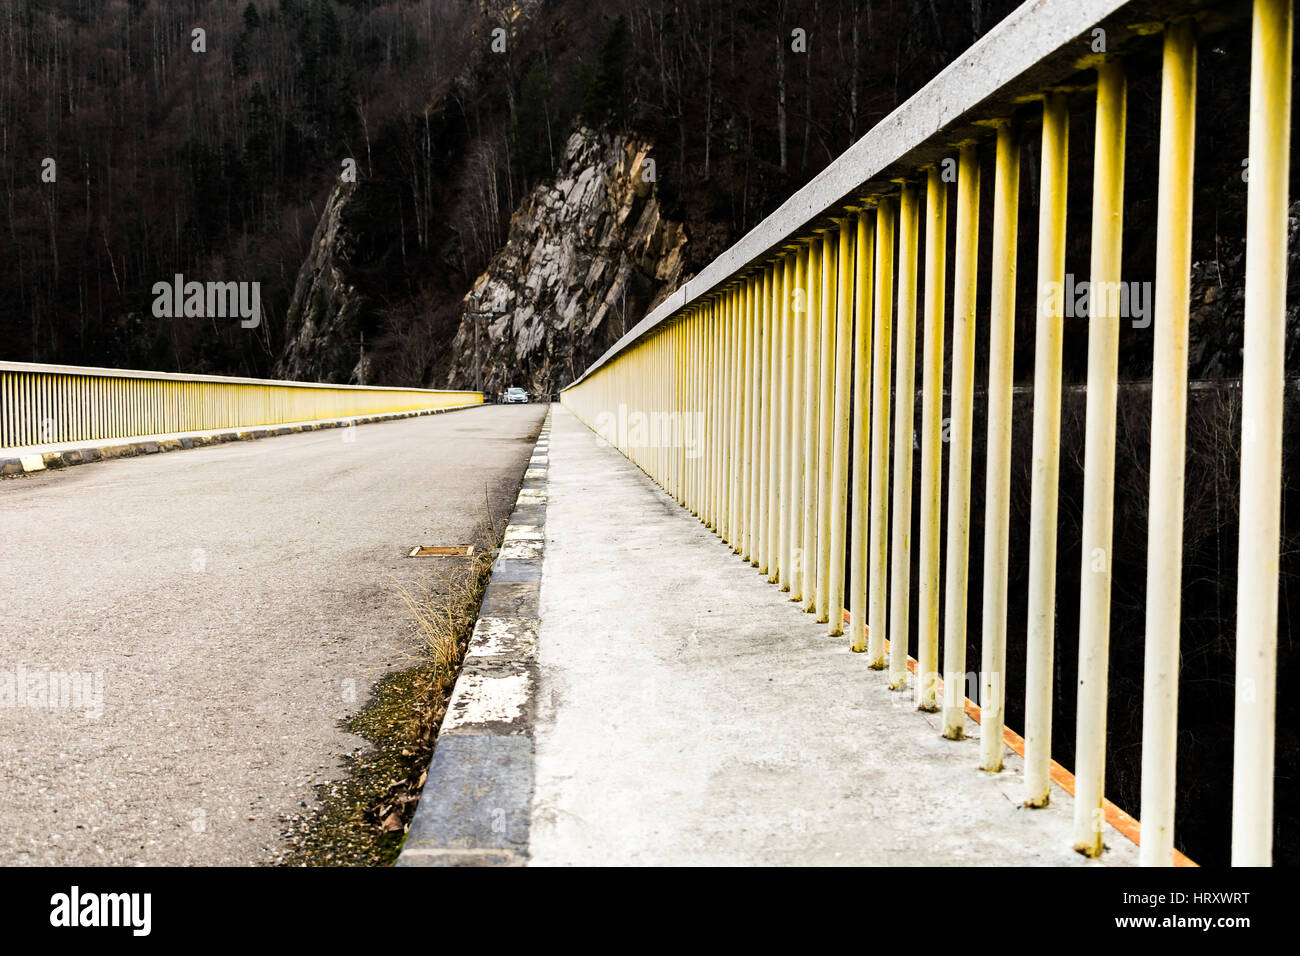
[54,404]
[758,395]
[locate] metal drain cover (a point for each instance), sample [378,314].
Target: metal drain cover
[441,551]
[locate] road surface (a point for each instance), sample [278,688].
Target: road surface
[214,613]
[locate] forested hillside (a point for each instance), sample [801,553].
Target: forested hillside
[213,154]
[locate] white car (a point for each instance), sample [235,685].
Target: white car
[515,396]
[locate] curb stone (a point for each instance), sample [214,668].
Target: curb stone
[477,800]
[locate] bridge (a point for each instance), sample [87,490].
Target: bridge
[710,635]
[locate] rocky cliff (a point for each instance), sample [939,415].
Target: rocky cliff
[587,255]
[323,323]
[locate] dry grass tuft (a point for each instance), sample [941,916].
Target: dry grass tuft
[363,819]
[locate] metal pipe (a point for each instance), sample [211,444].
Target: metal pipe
[927,624]
[716,411]
[878,545]
[840,430]
[755,415]
[862,330]
[746,405]
[774,426]
[900,591]
[826,410]
[997,488]
[1046,452]
[962,391]
[738,424]
[798,307]
[812,418]
[787,414]
[765,420]
[710,412]
[1099,457]
[726,378]
[1261,445]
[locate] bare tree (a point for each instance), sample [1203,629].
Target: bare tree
[780,83]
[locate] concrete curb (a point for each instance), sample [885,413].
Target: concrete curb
[24,460]
[477,799]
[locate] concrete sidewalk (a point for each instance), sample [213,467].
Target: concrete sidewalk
[687,713]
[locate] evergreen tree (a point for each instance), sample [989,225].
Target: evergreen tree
[606,96]
[331,31]
[532,124]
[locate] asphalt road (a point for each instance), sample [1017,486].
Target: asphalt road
[222,607]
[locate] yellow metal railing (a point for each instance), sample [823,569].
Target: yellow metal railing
[59,404]
[757,393]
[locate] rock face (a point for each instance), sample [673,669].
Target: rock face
[323,324]
[587,256]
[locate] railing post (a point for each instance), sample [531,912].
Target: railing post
[1046,452]
[716,412]
[878,580]
[765,420]
[753,483]
[798,308]
[702,393]
[840,429]
[927,624]
[997,488]
[1261,445]
[826,410]
[1168,445]
[900,583]
[774,429]
[861,476]
[695,372]
[707,418]
[1099,457]
[717,490]
[738,418]
[726,385]
[685,370]
[959,448]
[718,429]
[787,414]
[671,334]
[680,328]
[812,419]
[742,420]
[729,396]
